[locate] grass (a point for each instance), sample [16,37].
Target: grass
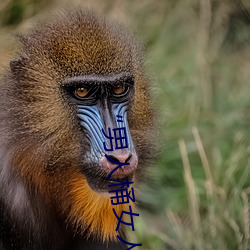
[199,57]
[200,192]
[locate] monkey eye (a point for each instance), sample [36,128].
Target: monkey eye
[81,92]
[119,89]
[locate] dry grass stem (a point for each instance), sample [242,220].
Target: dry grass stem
[192,197]
[204,159]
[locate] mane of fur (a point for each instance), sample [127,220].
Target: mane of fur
[40,146]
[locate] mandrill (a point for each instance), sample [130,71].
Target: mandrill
[68,84]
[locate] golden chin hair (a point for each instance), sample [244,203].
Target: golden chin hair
[86,210]
[93,211]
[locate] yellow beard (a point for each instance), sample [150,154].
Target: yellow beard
[94,212]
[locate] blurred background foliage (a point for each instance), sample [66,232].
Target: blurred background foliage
[198,54]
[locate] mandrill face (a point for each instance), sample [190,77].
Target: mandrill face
[75,106]
[101,103]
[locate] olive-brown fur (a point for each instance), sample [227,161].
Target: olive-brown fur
[45,200]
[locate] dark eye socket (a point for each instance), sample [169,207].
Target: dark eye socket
[123,87]
[81,92]
[119,89]
[85,93]
[88,91]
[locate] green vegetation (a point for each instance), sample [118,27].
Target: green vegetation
[200,192]
[199,57]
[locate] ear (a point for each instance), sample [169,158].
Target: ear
[15,64]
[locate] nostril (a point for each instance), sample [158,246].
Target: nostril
[127,160]
[122,164]
[119,158]
[113,158]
